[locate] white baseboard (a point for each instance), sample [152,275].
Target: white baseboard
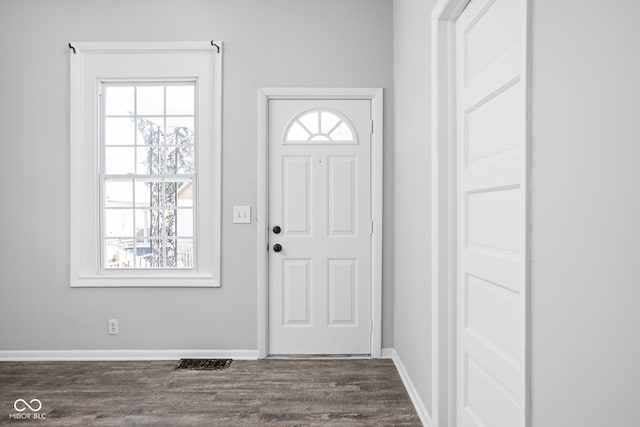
[390,353]
[387,353]
[123,355]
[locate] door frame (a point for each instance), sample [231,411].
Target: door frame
[375,95]
[444,209]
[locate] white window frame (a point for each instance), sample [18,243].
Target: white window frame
[91,64]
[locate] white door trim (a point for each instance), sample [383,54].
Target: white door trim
[444,210]
[375,95]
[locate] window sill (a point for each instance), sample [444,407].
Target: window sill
[145,281]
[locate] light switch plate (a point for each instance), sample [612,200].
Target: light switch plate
[242,214]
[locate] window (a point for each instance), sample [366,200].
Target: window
[147,176]
[145,164]
[319,126]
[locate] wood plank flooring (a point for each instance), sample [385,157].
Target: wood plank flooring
[248,393]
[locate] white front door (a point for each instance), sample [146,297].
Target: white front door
[491,214]
[319,227]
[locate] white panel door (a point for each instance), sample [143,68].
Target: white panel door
[491,214]
[320,227]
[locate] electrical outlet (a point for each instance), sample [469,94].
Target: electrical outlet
[113,326]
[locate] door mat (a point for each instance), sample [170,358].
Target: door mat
[204,364]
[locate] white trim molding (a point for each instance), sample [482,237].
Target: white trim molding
[390,353]
[375,95]
[122,355]
[93,65]
[443,207]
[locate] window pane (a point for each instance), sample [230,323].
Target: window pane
[119,160]
[328,121]
[145,255]
[118,193]
[119,101]
[184,222]
[342,133]
[118,222]
[170,193]
[123,253]
[148,192]
[297,133]
[143,222]
[310,121]
[150,100]
[142,190]
[179,130]
[115,255]
[180,100]
[171,252]
[319,138]
[156,223]
[150,160]
[150,131]
[185,194]
[180,159]
[156,253]
[175,190]
[184,258]
[119,131]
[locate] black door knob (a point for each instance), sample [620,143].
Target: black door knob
[277,229]
[277,247]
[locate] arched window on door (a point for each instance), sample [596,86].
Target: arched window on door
[320,126]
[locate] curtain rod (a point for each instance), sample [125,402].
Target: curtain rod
[212,44]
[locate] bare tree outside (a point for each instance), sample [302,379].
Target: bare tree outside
[169,153]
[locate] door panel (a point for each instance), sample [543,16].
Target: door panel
[493,219]
[343,220]
[297,291]
[320,195]
[491,214]
[491,32]
[500,326]
[296,183]
[343,291]
[490,403]
[492,126]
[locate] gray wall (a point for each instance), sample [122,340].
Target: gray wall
[413,192]
[586,212]
[267,43]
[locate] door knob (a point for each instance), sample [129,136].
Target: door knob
[277,229]
[277,247]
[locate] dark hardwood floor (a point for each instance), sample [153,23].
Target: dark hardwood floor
[274,392]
